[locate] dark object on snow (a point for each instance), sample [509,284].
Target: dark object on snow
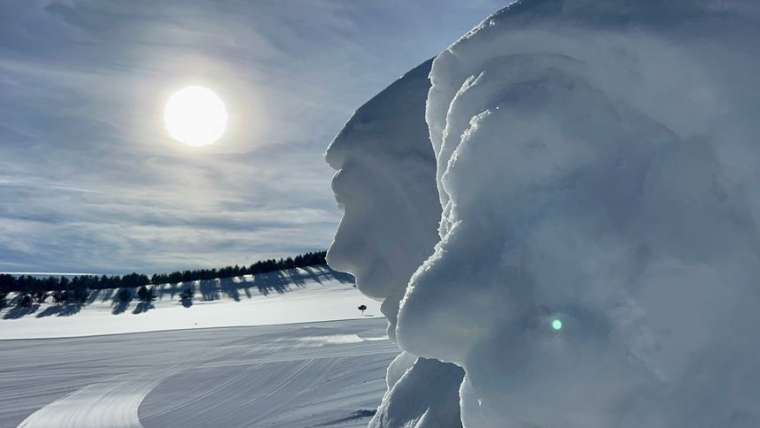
[363,308]
[24,301]
[145,294]
[59,296]
[187,297]
[40,296]
[359,414]
[78,294]
[123,295]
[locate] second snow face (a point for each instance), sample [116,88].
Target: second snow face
[598,168]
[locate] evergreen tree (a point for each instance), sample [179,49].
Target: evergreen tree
[77,288]
[145,294]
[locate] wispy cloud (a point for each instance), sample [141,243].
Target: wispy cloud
[88,179]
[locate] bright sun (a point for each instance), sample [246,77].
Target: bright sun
[195,116]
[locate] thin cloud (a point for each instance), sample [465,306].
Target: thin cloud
[90,182]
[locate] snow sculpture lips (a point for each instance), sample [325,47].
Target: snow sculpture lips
[600,162]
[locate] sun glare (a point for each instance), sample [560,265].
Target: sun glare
[195,116]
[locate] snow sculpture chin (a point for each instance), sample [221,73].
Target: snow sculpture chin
[599,165]
[386,185]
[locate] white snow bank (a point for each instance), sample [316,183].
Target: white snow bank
[425,395]
[386,185]
[598,163]
[295,296]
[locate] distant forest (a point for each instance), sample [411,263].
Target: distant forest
[79,285]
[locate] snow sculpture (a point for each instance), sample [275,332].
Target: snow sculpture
[386,185]
[598,164]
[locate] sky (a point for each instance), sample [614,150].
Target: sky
[90,180]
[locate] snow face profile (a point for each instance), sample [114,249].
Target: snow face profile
[387,188]
[598,164]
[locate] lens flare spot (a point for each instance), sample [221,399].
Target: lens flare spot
[556,324]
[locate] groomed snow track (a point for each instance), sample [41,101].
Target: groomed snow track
[300,375]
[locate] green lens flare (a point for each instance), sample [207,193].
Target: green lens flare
[557,325]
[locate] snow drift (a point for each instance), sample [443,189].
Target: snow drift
[386,185]
[597,164]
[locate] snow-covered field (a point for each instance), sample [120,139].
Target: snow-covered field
[296,296]
[327,374]
[275,350]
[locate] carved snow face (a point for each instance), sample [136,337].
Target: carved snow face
[603,182]
[386,186]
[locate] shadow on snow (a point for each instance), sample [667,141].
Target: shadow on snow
[237,288]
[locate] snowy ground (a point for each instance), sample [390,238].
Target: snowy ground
[296,296]
[327,374]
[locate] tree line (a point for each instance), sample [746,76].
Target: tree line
[77,288]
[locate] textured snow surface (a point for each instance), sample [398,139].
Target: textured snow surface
[294,296]
[270,376]
[598,164]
